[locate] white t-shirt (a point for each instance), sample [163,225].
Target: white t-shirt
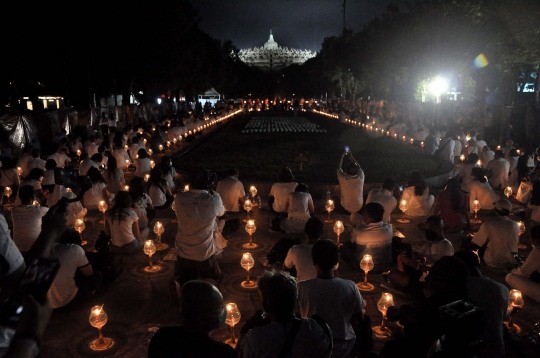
[486,157]
[169,177]
[417,205]
[280,191]
[501,236]
[94,195]
[114,182]
[92,149]
[466,173]
[139,207]
[85,165]
[374,239]
[458,148]
[60,158]
[335,300]
[9,177]
[48,177]
[35,163]
[434,250]
[483,193]
[446,147]
[27,225]
[63,288]
[157,195]
[121,156]
[142,167]
[352,187]
[299,256]
[122,229]
[386,199]
[230,190]
[133,150]
[499,168]
[8,249]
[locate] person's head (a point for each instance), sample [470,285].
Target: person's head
[478,174]
[285,175]
[509,142]
[35,174]
[136,188]
[372,212]
[470,259]
[279,294]
[122,200]
[434,228]
[447,276]
[202,306]
[94,175]
[325,255]
[70,236]
[233,172]
[472,158]
[50,164]
[513,152]
[502,207]
[204,180]
[535,236]
[353,169]
[142,153]
[416,179]
[389,184]
[314,229]
[26,194]
[485,149]
[97,158]
[165,164]
[499,153]
[36,153]
[112,164]
[302,188]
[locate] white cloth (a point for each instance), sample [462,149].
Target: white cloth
[499,169]
[483,193]
[446,147]
[133,150]
[139,207]
[297,213]
[299,256]
[352,187]
[374,239]
[169,178]
[48,177]
[196,211]
[23,163]
[434,250]
[465,173]
[335,300]
[501,236]
[280,191]
[524,192]
[27,225]
[121,156]
[267,341]
[157,195]
[94,195]
[520,277]
[85,165]
[458,148]
[417,205]
[142,167]
[486,157]
[122,229]
[63,288]
[386,199]
[9,177]
[230,190]
[35,163]
[8,249]
[91,149]
[115,182]
[60,158]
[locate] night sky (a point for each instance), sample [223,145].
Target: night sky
[295,23]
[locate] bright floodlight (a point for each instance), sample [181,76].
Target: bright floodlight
[159,100]
[438,86]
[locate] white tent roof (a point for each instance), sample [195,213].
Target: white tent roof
[211,92]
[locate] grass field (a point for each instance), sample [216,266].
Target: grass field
[260,156]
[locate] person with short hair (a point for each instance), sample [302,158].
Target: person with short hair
[497,170]
[500,236]
[299,256]
[114,177]
[34,179]
[141,203]
[97,192]
[492,297]
[486,156]
[168,171]
[465,172]
[142,163]
[279,295]
[231,191]
[334,299]
[351,184]
[92,147]
[203,310]
[416,194]
[25,157]
[299,208]
[88,163]
[26,219]
[36,161]
[384,196]
[158,190]
[60,157]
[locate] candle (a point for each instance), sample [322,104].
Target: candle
[186,188]
[146,177]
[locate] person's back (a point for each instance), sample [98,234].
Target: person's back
[499,168]
[385,197]
[231,190]
[26,219]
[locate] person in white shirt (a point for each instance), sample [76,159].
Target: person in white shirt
[299,256]
[141,203]
[48,178]
[158,190]
[134,148]
[299,208]
[114,177]
[60,157]
[486,156]
[513,176]
[169,172]
[142,163]
[498,170]
[336,300]
[526,278]
[431,142]
[480,142]
[197,211]
[420,135]
[35,162]
[26,219]
[446,149]
[8,177]
[121,155]
[373,237]
[500,237]
[465,172]
[91,148]
[481,190]
[385,197]
[88,163]
[98,192]
[25,157]
[509,145]
[416,194]
[280,190]
[422,258]
[231,191]
[458,147]
[351,184]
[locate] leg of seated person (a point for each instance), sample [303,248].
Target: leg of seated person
[525,285]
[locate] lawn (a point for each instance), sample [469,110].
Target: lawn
[260,156]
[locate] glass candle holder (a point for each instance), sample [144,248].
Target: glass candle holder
[247,207]
[79,227]
[476,207]
[232,318]
[98,318]
[508,192]
[385,302]
[102,206]
[247,264]
[158,230]
[515,303]
[329,206]
[367,265]
[250,228]
[338,229]
[149,249]
[403,206]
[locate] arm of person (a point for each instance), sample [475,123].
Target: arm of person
[437,205]
[340,163]
[106,196]
[481,236]
[351,158]
[86,270]
[135,228]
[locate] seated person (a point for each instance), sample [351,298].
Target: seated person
[203,310]
[299,208]
[27,219]
[384,196]
[416,194]
[411,269]
[527,277]
[373,237]
[280,190]
[231,191]
[452,206]
[479,189]
[299,256]
[88,163]
[498,169]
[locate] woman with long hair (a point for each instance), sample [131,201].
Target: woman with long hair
[452,205]
[114,177]
[416,194]
[169,172]
[281,189]
[141,203]
[97,192]
[481,190]
[142,163]
[299,208]
[122,224]
[159,190]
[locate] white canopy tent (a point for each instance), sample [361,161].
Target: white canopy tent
[211,96]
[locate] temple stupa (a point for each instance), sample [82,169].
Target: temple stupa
[271,56]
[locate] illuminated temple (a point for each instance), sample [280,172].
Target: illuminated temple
[272,56]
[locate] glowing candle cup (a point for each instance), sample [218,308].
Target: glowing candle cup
[98,318]
[462,157]
[102,206]
[247,264]
[250,228]
[152,164]
[79,227]
[158,230]
[338,229]
[248,206]
[7,193]
[508,192]
[515,303]
[476,207]
[146,177]
[383,304]
[367,265]
[232,318]
[329,206]
[403,206]
[253,191]
[150,249]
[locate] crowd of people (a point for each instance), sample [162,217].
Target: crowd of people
[307,311]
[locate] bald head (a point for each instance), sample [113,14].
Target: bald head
[202,306]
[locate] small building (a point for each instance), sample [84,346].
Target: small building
[211,96]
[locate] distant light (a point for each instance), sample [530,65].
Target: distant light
[140,92]
[159,100]
[438,86]
[480,61]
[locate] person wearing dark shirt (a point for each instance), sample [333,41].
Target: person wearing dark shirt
[202,311]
